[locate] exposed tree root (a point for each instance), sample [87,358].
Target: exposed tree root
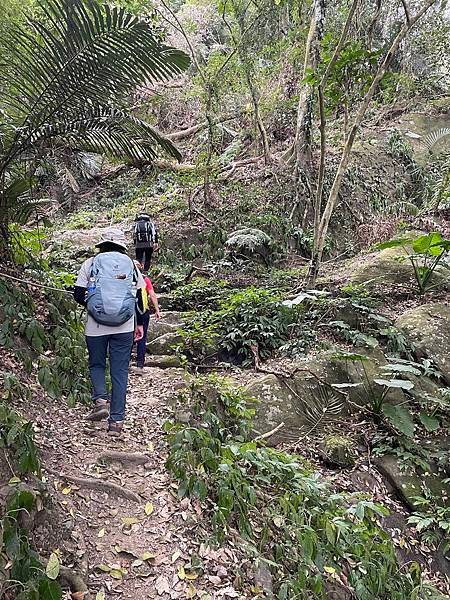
[98,484]
[131,458]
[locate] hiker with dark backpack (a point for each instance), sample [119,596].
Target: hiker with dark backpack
[145,239]
[111,289]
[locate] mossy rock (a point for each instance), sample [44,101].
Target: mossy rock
[294,400]
[159,327]
[339,450]
[163,345]
[427,328]
[389,268]
[409,485]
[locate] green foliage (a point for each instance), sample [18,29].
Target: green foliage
[64,372]
[255,318]
[426,255]
[353,335]
[58,344]
[200,336]
[351,74]
[51,95]
[198,294]
[432,518]
[16,435]
[287,516]
[22,575]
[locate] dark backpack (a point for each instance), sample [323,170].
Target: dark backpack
[144,230]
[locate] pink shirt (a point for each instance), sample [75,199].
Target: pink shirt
[148,284]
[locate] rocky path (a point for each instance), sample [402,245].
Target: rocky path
[134,539]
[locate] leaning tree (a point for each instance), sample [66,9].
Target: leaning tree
[64,85]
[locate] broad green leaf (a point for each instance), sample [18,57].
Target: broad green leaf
[49,590]
[400,418]
[401,368]
[423,244]
[430,422]
[393,244]
[395,383]
[52,568]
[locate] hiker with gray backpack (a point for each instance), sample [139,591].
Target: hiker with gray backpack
[111,289]
[145,239]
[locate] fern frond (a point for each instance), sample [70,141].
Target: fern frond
[435,136]
[248,238]
[323,407]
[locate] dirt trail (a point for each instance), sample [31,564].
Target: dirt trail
[109,534]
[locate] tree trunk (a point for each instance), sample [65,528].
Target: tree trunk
[301,149]
[319,240]
[259,122]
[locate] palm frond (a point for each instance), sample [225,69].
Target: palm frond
[85,53]
[321,408]
[108,131]
[84,59]
[435,136]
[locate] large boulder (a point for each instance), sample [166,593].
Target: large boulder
[300,400]
[427,328]
[164,344]
[384,267]
[157,328]
[409,486]
[390,268]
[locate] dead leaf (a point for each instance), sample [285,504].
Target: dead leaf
[148,509]
[116,573]
[137,563]
[101,533]
[162,585]
[66,490]
[148,556]
[175,556]
[104,568]
[181,573]
[128,521]
[52,568]
[191,591]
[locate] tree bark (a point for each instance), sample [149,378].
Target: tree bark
[319,241]
[301,149]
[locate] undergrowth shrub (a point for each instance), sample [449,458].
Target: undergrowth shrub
[51,326]
[22,575]
[309,536]
[199,293]
[247,321]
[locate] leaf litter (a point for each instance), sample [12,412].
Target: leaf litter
[138,552]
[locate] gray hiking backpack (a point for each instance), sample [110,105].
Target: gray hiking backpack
[111,296]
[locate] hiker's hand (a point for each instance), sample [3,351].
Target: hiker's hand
[138,333]
[157,314]
[155,247]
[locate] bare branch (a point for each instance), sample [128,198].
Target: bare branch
[406,9]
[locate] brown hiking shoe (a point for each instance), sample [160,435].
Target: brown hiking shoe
[115,428]
[100,411]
